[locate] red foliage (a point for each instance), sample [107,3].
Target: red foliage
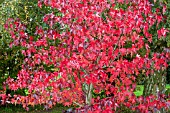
[90,48]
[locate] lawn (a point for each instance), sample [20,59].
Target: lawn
[139,89]
[38,109]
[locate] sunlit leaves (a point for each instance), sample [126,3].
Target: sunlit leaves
[95,46]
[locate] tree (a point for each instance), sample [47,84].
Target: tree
[156,83]
[84,42]
[11,58]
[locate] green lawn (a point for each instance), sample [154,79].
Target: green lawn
[168,86]
[37,109]
[139,89]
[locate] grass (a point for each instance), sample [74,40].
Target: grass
[38,109]
[140,88]
[168,86]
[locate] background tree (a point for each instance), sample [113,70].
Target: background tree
[156,83]
[11,58]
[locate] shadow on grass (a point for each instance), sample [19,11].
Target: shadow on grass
[37,109]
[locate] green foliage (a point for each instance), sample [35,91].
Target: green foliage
[168,75]
[11,58]
[31,15]
[165,42]
[167,22]
[1,1]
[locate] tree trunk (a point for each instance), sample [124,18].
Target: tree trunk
[155,84]
[89,94]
